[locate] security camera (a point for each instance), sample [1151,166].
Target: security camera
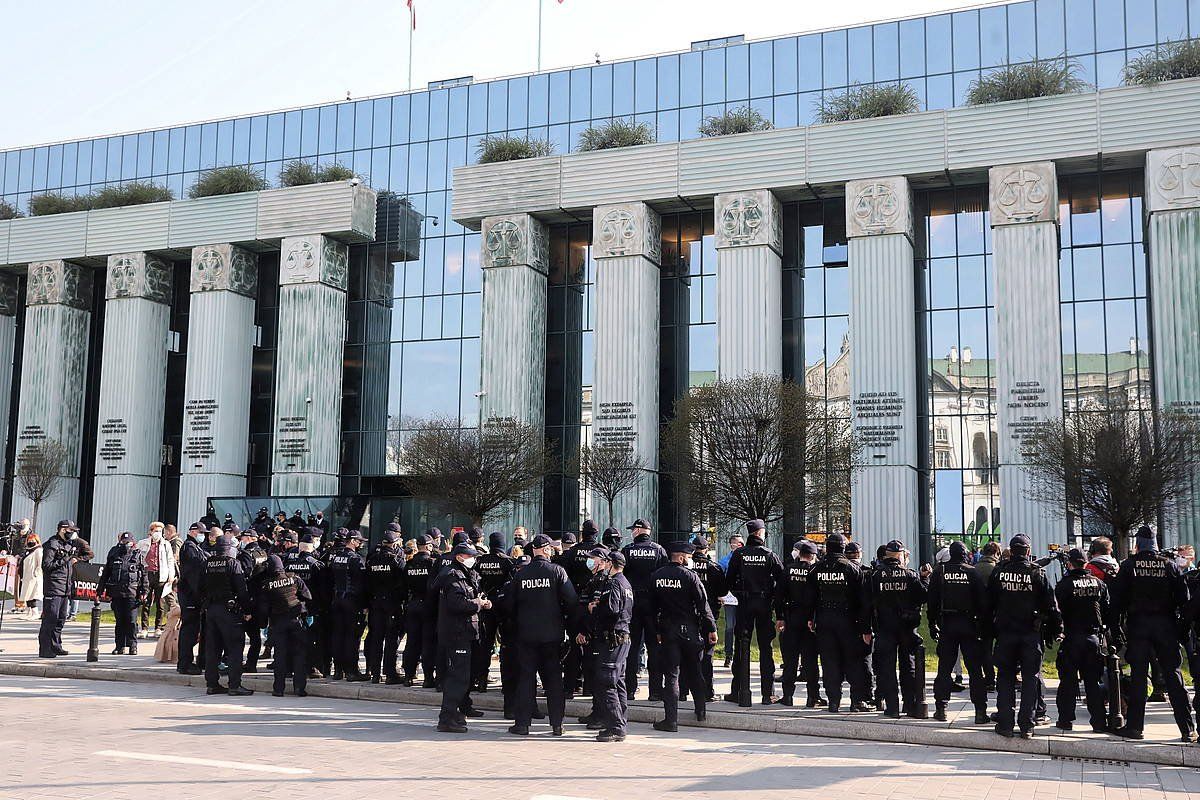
[436,220]
[355,181]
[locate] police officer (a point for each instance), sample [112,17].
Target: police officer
[1023,614]
[957,608]
[281,601]
[417,573]
[253,560]
[1150,592]
[59,556]
[227,606]
[543,601]
[755,576]
[684,626]
[576,674]
[835,614]
[459,602]
[192,560]
[797,643]
[854,556]
[643,557]
[506,634]
[611,539]
[598,568]
[894,596]
[124,579]
[610,614]
[347,573]
[495,570]
[712,578]
[385,600]
[1084,604]
[300,560]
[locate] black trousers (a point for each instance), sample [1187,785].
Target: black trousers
[254,647]
[417,639]
[681,651]
[540,658]
[153,598]
[54,616]
[840,646]
[289,639]
[572,668]
[125,611]
[226,637]
[1017,652]
[611,661]
[892,649]
[456,681]
[958,636]
[641,632]
[1155,637]
[1080,657]
[385,626]
[799,648]
[191,623]
[482,654]
[753,618]
[346,634]
[510,673]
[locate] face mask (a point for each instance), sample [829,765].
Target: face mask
[689,563]
[591,564]
[469,563]
[156,535]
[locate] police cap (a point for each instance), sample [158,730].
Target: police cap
[1076,556]
[496,539]
[459,537]
[589,529]
[639,523]
[69,524]
[894,546]
[125,536]
[568,538]
[755,525]
[599,552]
[540,540]
[853,547]
[464,549]
[289,536]
[1020,542]
[835,543]
[391,537]
[421,540]
[394,526]
[617,558]
[700,542]
[355,536]
[806,548]
[680,547]
[958,551]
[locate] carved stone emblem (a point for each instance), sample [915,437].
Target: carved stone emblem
[138,275]
[58,282]
[515,240]
[505,244]
[1173,178]
[877,207]
[744,219]
[628,229]
[1023,193]
[223,267]
[313,259]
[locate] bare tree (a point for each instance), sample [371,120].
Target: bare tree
[1117,465]
[751,447]
[474,471]
[610,470]
[40,470]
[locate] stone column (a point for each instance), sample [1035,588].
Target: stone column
[133,374]
[8,347]
[216,404]
[1173,228]
[58,302]
[627,248]
[1023,200]
[883,361]
[306,449]
[749,234]
[515,261]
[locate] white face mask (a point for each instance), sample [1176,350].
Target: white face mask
[469,563]
[156,535]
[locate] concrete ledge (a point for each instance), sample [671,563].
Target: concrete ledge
[958,734]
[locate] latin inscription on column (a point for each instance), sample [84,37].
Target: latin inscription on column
[1026,418]
[292,438]
[197,424]
[112,442]
[615,424]
[880,418]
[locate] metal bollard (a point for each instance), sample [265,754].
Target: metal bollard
[93,653]
[920,708]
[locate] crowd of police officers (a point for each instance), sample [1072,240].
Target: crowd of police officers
[577,615]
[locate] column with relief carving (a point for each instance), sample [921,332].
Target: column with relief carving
[58,302]
[627,249]
[133,372]
[749,238]
[515,261]
[1023,205]
[1173,241]
[306,446]
[8,349]
[216,399]
[883,361]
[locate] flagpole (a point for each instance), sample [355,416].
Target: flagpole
[539,46]
[410,54]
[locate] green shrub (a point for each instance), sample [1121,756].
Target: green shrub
[743,119]
[305,173]
[41,205]
[493,149]
[615,133]
[131,194]
[9,211]
[1166,62]
[331,173]
[228,180]
[868,102]
[1025,81]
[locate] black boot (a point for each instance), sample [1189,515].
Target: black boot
[939,712]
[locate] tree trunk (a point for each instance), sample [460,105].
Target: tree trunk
[1120,544]
[610,512]
[33,521]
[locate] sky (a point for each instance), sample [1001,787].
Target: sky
[81,68]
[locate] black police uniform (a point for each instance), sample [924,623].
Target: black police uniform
[458,631]
[281,601]
[1150,591]
[385,615]
[253,560]
[1084,603]
[608,626]
[418,637]
[574,561]
[192,560]
[495,570]
[226,603]
[834,606]
[542,600]
[683,621]
[326,660]
[894,596]
[58,564]
[643,557]
[1023,613]
[348,584]
[124,579]
[308,568]
[957,609]
[755,576]
[797,643]
[712,578]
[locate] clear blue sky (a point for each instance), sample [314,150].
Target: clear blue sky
[76,68]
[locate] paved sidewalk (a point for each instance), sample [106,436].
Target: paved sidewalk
[18,648]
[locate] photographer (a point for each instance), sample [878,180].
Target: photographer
[124,579]
[59,556]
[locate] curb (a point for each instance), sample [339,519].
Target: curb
[908,732]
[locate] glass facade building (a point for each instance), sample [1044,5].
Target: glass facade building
[422,357]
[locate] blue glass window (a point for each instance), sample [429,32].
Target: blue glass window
[737,72]
[497,116]
[145,155]
[1022,32]
[689,123]
[518,103]
[307,131]
[1109,69]
[241,141]
[859,53]
[378,176]
[667,126]
[381,123]
[363,110]
[689,80]
[993,36]
[912,48]
[1139,24]
[400,109]
[113,170]
[966,39]
[476,108]
[258,139]
[1081,27]
[11,171]
[191,148]
[539,93]
[581,93]
[70,154]
[713,63]
[623,88]
[437,164]
[887,51]
[939,92]
[345,126]
[418,116]
[938,44]
[785,112]
[174,151]
[126,147]
[1194,17]
[602,91]
[761,73]
[41,159]
[398,175]
[806,52]
[54,165]
[647,73]
[327,132]
[1173,19]
[560,97]
[439,113]
[833,56]
[1051,35]
[100,157]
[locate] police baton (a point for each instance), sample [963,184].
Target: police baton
[93,652]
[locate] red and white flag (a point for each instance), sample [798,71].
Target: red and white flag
[412,12]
